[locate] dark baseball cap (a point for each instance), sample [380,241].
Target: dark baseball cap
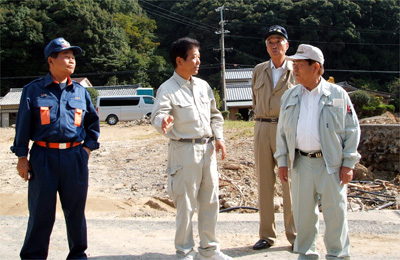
[60,44]
[276,29]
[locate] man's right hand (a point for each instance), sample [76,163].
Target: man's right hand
[23,168]
[167,123]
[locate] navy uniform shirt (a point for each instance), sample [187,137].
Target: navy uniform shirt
[47,113]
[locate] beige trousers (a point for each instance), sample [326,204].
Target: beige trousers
[193,183]
[311,182]
[264,149]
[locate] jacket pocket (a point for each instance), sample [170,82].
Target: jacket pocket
[45,109]
[259,83]
[173,180]
[259,95]
[185,111]
[76,111]
[334,116]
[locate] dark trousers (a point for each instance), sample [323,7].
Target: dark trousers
[66,172]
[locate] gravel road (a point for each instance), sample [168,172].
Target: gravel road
[374,235]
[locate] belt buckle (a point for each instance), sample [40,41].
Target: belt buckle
[62,146]
[274,120]
[309,155]
[204,140]
[318,155]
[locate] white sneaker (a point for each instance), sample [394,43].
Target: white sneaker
[217,256]
[190,256]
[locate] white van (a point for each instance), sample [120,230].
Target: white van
[124,108]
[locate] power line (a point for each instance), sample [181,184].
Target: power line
[322,42]
[199,25]
[366,71]
[177,20]
[321,27]
[166,10]
[176,17]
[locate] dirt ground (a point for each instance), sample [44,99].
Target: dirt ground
[130,216]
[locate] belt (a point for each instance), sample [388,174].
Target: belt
[57,145]
[269,120]
[203,140]
[310,155]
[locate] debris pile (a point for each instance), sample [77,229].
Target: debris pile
[238,187]
[238,190]
[374,195]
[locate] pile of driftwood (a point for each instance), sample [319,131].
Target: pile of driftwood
[374,195]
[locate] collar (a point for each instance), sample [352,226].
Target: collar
[48,80]
[283,67]
[323,88]
[181,81]
[316,91]
[288,64]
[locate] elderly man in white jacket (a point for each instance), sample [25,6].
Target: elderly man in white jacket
[317,137]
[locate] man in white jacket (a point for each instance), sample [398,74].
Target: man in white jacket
[317,137]
[185,112]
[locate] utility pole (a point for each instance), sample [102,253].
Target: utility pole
[222,44]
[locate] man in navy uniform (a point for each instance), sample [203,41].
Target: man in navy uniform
[57,114]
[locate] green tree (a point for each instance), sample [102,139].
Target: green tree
[120,38]
[116,36]
[354,35]
[218,99]
[21,39]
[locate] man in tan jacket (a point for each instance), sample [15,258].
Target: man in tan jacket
[270,80]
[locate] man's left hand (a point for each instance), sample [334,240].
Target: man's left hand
[87,150]
[283,174]
[346,175]
[220,145]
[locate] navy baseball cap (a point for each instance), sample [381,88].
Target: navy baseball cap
[60,44]
[276,29]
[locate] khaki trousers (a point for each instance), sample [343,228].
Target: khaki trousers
[310,182]
[264,149]
[193,183]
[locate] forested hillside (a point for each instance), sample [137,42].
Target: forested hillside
[127,41]
[117,38]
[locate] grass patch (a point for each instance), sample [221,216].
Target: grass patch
[234,129]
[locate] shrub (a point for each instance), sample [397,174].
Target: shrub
[366,111]
[384,108]
[359,99]
[225,115]
[369,105]
[238,116]
[394,88]
[93,95]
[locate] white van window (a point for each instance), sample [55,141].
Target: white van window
[148,100]
[129,101]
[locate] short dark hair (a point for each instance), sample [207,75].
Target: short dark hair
[181,47]
[54,55]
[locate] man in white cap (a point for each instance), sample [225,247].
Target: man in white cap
[317,137]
